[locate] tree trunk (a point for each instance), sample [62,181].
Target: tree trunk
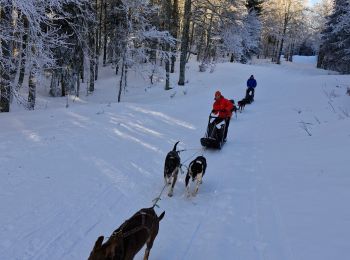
[32,87]
[105,34]
[78,85]
[167,73]
[278,58]
[275,50]
[63,84]
[97,44]
[5,87]
[208,45]
[92,75]
[175,27]
[97,57]
[92,61]
[121,81]
[23,54]
[125,77]
[201,44]
[285,24]
[184,41]
[290,52]
[100,26]
[232,59]
[54,92]
[168,26]
[190,42]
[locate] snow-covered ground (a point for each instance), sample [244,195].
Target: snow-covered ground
[305,59]
[277,190]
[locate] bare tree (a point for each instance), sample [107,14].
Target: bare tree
[278,17]
[185,41]
[5,87]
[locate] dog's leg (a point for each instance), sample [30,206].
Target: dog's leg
[198,182]
[187,183]
[171,191]
[166,180]
[149,245]
[146,254]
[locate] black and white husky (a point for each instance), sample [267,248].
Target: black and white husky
[171,169]
[196,171]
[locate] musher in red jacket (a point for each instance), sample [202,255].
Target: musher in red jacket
[222,107]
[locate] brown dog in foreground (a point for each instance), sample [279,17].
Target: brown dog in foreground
[125,242]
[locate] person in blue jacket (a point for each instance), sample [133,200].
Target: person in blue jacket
[251,85]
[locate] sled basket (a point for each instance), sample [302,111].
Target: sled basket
[214,137]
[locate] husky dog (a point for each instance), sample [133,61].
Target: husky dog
[196,171]
[171,169]
[124,243]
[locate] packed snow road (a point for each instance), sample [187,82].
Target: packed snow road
[272,192]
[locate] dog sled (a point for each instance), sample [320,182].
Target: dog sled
[214,136]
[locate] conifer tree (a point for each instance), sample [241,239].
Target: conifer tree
[334,52]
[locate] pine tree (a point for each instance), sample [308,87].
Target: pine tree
[334,52]
[5,57]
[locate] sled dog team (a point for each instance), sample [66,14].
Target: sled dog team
[142,228]
[223,108]
[195,171]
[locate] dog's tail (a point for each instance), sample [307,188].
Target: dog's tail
[161,216]
[174,149]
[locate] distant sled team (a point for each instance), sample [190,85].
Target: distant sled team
[219,119]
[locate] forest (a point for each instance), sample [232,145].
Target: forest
[68,41]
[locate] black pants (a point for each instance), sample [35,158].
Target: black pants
[219,120]
[250,90]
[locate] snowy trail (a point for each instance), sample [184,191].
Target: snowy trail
[269,194]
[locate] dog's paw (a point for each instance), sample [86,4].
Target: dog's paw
[170,194]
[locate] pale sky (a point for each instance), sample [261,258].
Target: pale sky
[312,2]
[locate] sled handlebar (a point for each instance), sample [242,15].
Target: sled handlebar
[212,115]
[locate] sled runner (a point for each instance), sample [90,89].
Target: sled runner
[214,137]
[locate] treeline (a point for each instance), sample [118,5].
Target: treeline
[68,41]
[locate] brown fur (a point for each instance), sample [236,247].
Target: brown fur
[125,242]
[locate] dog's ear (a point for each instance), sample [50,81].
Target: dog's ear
[161,216]
[98,243]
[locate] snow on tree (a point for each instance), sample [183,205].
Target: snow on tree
[280,19]
[334,52]
[28,39]
[318,19]
[224,28]
[135,33]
